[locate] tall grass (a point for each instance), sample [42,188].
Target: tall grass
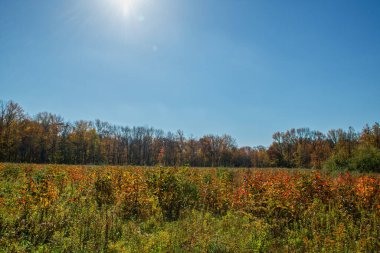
[50,208]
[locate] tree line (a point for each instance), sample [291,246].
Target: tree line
[48,138]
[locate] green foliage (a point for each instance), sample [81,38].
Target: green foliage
[217,247]
[104,190]
[174,192]
[365,159]
[337,161]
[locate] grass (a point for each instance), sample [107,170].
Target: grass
[59,208]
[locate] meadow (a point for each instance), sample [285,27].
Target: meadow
[61,208]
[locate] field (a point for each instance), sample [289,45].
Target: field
[58,208]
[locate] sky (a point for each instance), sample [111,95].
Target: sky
[242,67]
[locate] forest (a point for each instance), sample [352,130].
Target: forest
[48,138]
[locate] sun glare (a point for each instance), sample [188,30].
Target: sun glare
[126,7]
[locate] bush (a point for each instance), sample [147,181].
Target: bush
[365,159]
[337,161]
[104,191]
[174,192]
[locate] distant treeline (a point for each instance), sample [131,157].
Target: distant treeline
[47,138]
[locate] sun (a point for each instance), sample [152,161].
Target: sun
[126,7]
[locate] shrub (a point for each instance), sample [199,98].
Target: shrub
[104,191]
[173,191]
[337,161]
[365,159]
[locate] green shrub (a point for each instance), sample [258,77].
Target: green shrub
[174,192]
[365,159]
[104,191]
[337,161]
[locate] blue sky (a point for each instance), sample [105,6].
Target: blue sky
[243,67]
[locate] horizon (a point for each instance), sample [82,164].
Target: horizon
[242,68]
